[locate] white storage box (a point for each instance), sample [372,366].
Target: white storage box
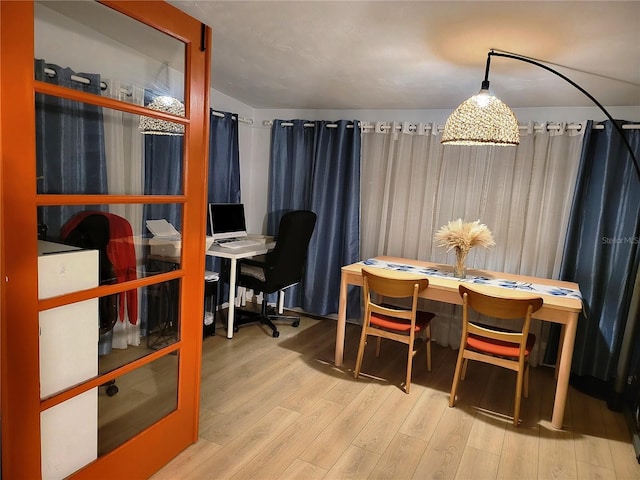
[166,239]
[68,356]
[165,248]
[171,248]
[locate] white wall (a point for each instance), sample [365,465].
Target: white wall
[66,43]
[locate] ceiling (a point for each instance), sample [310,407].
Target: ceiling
[420,54]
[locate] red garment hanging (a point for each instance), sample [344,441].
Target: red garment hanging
[121,254]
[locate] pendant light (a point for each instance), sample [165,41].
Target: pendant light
[482,120]
[485,120]
[156,126]
[165,104]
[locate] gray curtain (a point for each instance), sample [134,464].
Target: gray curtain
[318,168]
[601,251]
[70,152]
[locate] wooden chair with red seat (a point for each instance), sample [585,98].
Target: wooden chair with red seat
[504,348]
[384,320]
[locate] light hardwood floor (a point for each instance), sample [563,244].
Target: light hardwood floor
[277,408]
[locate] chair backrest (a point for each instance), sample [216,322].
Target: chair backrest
[287,260]
[92,232]
[507,308]
[382,283]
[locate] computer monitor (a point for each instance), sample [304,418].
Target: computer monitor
[227,220]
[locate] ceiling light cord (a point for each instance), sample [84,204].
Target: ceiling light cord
[523,58]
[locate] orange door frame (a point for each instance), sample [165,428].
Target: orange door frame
[21,405]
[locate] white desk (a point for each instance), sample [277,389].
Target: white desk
[234,254]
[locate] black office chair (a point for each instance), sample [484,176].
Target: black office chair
[93,233]
[280,268]
[91,230]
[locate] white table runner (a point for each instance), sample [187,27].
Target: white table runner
[434,272]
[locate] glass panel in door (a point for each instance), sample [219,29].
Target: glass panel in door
[84,148]
[81,42]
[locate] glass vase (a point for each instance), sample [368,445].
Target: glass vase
[460,269]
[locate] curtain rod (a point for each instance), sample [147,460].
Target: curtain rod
[412,127]
[52,73]
[269,123]
[248,121]
[103,86]
[365,126]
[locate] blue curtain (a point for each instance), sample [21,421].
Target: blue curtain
[70,152]
[163,176]
[163,168]
[601,251]
[163,173]
[224,172]
[224,159]
[318,168]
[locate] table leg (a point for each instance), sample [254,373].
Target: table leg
[559,356]
[232,297]
[562,385]
[342,321]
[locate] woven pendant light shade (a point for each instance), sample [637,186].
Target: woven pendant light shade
[481,120]
[156,126]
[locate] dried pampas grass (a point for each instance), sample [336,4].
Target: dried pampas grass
[461,237]
[464,235]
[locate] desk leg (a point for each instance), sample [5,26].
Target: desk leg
[342,321]
[280,302]
[562,386]
[232,297]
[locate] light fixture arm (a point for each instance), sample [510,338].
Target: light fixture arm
[522,58]
[485,82]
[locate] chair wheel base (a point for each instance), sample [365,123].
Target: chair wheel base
[112,390]
[265,319]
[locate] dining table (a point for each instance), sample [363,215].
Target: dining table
[562,304]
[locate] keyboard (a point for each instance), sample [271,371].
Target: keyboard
[239,243]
